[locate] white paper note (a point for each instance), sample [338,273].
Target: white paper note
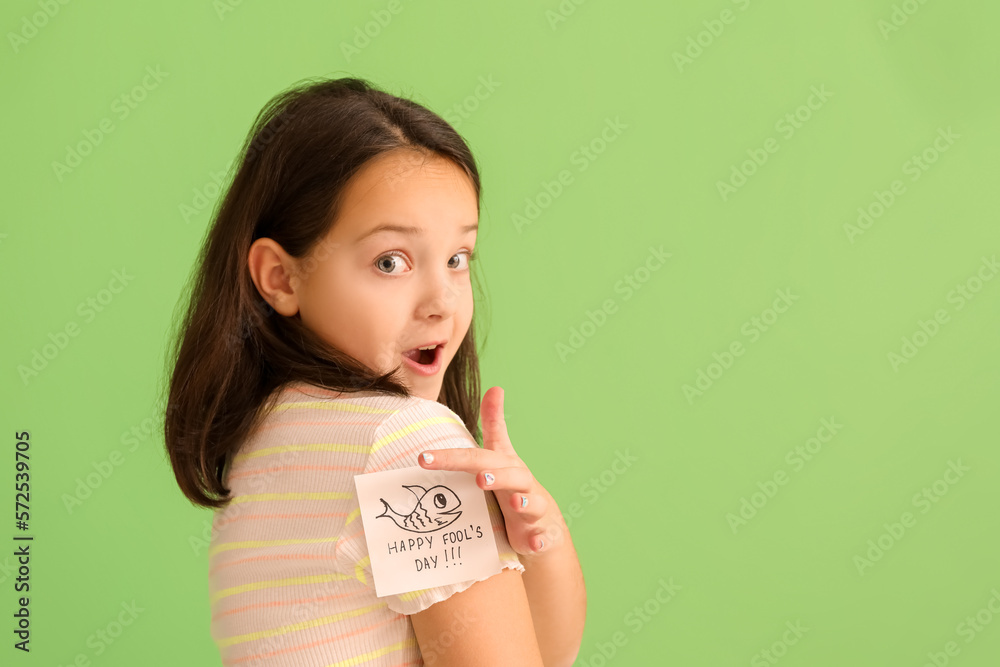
[425,528]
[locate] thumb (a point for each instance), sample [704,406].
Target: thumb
[494,425]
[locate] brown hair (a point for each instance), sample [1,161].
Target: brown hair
[232,350]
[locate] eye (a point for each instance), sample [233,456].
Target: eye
[389,260]
[469,257]
[439,501]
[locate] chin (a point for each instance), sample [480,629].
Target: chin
[430,394]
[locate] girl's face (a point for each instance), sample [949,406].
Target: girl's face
[393,273]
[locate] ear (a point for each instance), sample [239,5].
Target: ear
[271,269]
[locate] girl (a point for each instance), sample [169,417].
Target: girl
[329,334]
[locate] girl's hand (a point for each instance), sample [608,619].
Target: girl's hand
[534,522]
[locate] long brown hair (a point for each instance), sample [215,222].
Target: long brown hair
[231,350]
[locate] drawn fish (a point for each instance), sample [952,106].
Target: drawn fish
[436,508]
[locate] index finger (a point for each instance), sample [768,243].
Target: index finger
[467,459]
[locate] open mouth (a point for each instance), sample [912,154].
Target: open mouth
[424,357]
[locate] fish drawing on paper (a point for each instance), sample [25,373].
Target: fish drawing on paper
[436,508]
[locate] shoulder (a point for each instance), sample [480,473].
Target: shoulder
[383,410]
[393,429]
[418,412]
[298,413]
[298,401]
[417,425]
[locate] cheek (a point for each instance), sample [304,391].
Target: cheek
[466,303]
[332,309]
[365,320]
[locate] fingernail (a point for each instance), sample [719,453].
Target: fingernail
[524,501]
[541,544]
[428,457]
[489,479]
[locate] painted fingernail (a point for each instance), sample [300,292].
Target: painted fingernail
[489,479]
[428,457]
[524,501]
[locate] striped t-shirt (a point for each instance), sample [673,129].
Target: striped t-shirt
[289,576]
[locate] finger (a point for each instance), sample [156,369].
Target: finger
[495,435]
[529,506]
[467,459]
[515,479]
[538,541]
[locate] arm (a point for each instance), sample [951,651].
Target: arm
[486,625]
[553,580]
[557,595]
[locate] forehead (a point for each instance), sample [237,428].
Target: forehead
[407,188]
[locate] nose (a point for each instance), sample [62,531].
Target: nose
[440,294]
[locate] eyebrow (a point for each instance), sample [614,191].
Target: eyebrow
[404,229]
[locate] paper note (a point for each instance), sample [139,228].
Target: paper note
[425,528]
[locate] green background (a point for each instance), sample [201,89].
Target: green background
[555,85]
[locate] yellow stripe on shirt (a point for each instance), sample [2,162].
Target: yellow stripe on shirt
[338,406]
[304,447]
[365,657]
[411,428]
[276,583]
[292,495]
[294,627]
[250,544]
